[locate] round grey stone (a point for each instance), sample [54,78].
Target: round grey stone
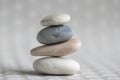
[57,34]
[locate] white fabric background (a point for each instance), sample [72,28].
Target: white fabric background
[95,22]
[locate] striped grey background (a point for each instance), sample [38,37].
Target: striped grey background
[95,22]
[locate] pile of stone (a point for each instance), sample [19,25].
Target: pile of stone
[58,41]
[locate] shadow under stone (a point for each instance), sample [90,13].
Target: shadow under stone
[33,73]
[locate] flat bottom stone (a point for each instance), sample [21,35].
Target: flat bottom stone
[56,66]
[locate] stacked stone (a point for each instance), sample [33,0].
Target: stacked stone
[58,41]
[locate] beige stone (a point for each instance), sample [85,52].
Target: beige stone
[59,49]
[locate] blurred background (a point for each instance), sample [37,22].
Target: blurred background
[95,22]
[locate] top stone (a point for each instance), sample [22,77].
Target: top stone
[57,19]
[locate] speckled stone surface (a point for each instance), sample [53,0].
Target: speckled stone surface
[56,65]
[55,34]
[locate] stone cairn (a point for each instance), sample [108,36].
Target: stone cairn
[58,41]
